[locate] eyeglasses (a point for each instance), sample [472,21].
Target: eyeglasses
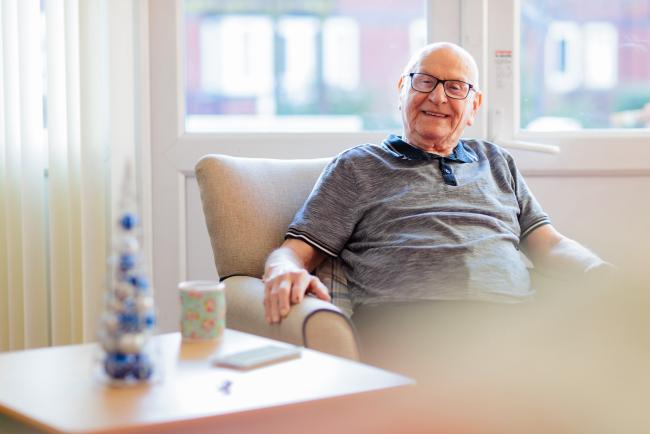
[426,83]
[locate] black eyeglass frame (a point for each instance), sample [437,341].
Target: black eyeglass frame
[440,81]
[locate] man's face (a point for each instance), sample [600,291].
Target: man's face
[433,121]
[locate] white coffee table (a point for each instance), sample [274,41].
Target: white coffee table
[55,390]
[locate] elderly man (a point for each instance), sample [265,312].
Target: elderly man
[424,217]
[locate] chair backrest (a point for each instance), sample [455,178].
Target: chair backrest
[248,204]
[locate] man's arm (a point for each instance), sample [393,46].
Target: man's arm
[557,255]
[287,278]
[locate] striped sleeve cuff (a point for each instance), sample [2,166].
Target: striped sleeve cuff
[292,233]
[529,229]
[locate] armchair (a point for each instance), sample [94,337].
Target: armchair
[248,204]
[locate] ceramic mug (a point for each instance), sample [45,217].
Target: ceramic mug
[203,310]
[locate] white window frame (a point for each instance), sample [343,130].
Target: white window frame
[582,153]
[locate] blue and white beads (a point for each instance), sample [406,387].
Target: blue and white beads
[129,315]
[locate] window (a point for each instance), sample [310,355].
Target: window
[584,66]
[320,65]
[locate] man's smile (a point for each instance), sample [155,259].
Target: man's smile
[435,114]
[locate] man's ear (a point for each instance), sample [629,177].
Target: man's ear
[476,103]
[400,85]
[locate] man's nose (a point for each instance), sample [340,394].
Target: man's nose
[438,93]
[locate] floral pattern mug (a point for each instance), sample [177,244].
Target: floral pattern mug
[203,310]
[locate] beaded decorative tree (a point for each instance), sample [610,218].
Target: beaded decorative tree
[128,320]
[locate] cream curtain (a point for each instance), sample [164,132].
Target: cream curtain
[67,105]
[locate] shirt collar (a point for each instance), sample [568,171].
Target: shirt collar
[461,153]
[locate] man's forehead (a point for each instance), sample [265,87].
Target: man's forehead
[445,60]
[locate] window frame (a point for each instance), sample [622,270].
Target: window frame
[586,152]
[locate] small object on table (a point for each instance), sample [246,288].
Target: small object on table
[225,387]
[257,357]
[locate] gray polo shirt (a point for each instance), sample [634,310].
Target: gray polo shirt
[409,225]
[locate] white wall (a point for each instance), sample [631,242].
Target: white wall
[607,214]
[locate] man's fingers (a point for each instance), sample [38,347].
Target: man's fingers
[270,299]
[299,287]
[275,310]
[267,300]
[319,289]
[283,291]
[279,291]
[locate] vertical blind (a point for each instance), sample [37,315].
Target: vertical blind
[58,70]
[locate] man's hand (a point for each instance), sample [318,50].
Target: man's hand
[282,288]
[286,279]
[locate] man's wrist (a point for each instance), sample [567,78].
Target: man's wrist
[279,267]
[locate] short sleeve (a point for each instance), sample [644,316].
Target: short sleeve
[531,215]
[329,215]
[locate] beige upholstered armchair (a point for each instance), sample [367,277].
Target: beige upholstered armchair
[248,204]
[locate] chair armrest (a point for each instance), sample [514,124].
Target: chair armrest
[314,323]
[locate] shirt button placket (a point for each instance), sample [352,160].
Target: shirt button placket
[447,173]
